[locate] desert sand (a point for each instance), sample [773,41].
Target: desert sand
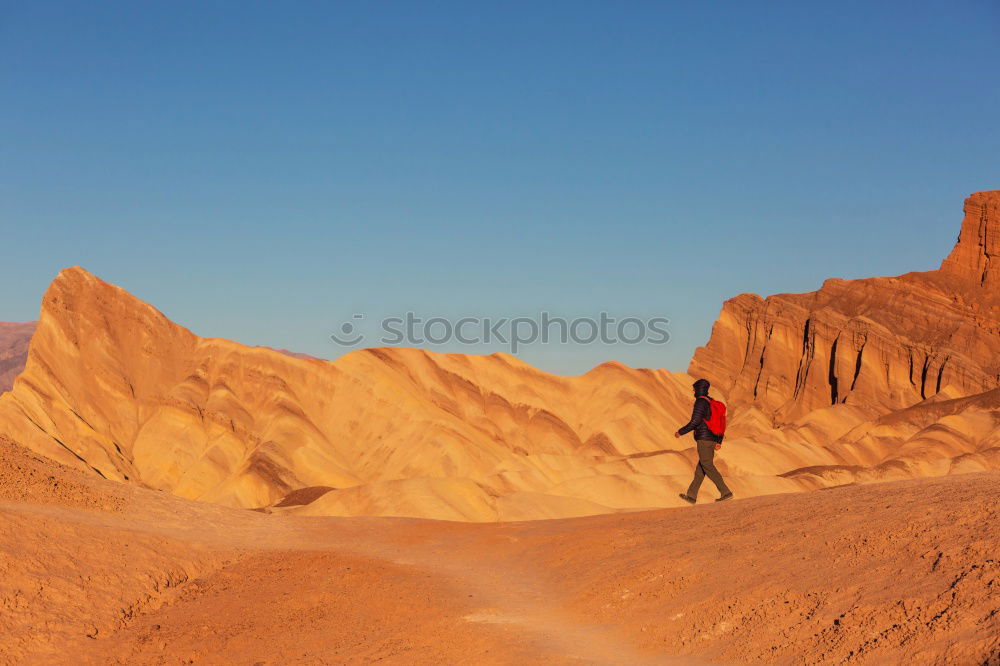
[97,572]
[167,498]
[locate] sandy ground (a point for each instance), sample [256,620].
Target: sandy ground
[96,572]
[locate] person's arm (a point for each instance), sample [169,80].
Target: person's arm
[697,416]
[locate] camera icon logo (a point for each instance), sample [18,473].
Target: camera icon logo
[349,335]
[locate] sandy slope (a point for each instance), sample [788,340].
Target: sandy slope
[113,387]
[96,572]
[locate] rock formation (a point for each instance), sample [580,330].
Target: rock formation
[974,258]
[863,380]
[112,385]
[14,339]
[877,344]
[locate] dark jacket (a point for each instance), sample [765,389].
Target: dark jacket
[702,410]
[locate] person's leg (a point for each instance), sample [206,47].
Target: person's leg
[706,461]
[699,476]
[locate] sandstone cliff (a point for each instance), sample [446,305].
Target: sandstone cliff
[878,344]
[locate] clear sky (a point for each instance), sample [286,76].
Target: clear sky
[261,171]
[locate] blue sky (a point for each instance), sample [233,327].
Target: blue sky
[263,171]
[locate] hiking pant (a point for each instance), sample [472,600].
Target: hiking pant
[706,467]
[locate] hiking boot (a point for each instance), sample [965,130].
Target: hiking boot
[689,499]
[725,497]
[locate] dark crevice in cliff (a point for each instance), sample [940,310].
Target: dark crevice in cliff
[832,378]
[63,444]
[77,415]
[923,377]
[57,441]
[751,328]
[937,385]
[983,225]
[750,337]
[857,365]
[760,368]
[802,373]
[912,383]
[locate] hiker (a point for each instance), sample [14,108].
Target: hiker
[708,421]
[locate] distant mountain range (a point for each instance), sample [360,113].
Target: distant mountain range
[14,339]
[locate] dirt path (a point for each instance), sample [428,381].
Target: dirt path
[892,573]
[362,594]
[511,593]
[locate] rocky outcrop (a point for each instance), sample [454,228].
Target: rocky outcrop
[878,344]
[976,257]
[14,339]
[863,380]
[111,385]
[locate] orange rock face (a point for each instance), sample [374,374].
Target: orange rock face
[114,386]
[879,344]
[14,340]
[867,380]
[975,257]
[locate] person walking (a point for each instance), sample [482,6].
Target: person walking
[708,422]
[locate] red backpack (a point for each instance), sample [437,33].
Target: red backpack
[716,422]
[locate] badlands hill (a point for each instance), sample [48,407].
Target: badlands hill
[113,386]
[862,381]
[97,572]
[14,340]
[880,344]
[891,377]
